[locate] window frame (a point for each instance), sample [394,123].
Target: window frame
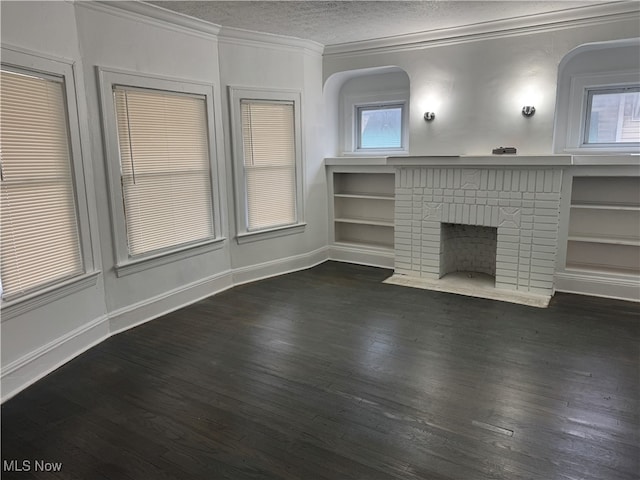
[46,66]
[589,93]
[236,95]
[359,108]
[126,264]
[578,110]
[350,122]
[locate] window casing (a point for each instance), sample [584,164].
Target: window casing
[162,168]
[612,116]
[380,127]
[268,165]
[46,245]
[579,131]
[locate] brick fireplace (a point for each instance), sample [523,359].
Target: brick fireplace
[437,207]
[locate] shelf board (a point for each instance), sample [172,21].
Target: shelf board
[377,245]
[600,269]
[367,196]
[381,222]
[611,240]
[605,206]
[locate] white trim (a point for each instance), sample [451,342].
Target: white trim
[20,373]
[373,257]
[247,237]
[156,16]
[236,95]
[349,131]
[167,302]
[79,160]
[599,285]
[136,265]
[40,298]
[280,266]
[249,38]
[526,25]
[107,78]
[580,86]
[25,371]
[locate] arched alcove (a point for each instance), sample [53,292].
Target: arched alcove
[343,91]
[599,64]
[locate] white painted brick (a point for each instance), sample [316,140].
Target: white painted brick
[542,283]
[456,178]
[552,205]
[542,270]
[544,256]
[545,241]
[557,180]
[548,180]
[545,248]
[540,181]
[492,201]
[511,252]
[506,184]
[499,179]
[491,180]
[465,214]
[535,262]
[548,196]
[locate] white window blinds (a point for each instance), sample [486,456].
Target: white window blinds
[166,177]
[268,136]
[40,243]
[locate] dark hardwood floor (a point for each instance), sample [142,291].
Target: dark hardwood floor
[330,374]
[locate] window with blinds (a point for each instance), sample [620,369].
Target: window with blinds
[165,168]
[40,235]
[269,159]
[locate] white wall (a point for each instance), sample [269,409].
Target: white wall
[37,340]
[280,67]
[478,84]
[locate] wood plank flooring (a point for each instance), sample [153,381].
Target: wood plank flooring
[330,374]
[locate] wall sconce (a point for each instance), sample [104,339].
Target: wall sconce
[429,116]
[528,111]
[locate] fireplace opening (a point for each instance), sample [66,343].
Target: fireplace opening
[468,252]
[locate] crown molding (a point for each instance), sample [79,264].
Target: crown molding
[154,15]
[539,23]
[241,36]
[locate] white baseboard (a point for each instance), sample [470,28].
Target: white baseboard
[279,266]
[373,257]
[154,307]
[620,287]
[23,372]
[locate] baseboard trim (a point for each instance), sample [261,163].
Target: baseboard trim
[280,266]
[372,257]
[25,371]
[154,307]
[28,369]
[607,286]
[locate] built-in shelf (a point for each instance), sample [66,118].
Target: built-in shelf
[610,240]
[366,221]
[364,196]
[611,206]
[363,209]
[604,226]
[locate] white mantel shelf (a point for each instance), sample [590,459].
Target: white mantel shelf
[482,161]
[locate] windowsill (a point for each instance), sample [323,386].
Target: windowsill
[376,153]
[247,237]
[136,265]
[45,296]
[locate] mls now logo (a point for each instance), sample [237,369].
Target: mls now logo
[28,465]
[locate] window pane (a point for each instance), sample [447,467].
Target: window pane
[166,181]
[40,239]
[614,117]
[380,127]
[268,136]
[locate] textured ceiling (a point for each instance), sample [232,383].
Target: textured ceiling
[337,22]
